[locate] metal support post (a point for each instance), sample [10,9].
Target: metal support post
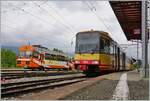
[145,68]
[137,50]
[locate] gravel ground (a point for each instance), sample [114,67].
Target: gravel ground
[101,90]
[139,90]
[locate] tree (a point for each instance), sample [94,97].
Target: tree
[8,58]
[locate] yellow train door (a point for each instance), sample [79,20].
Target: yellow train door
[105,57]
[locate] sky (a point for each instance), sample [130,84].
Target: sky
[54,24]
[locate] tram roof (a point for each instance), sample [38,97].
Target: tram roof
[46,50]
[56,53]
[96,31]
[128,14]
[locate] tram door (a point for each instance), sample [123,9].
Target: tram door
[118,58]
[123,60]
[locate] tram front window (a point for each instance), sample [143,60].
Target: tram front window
[87,43]
[87,48]
[25,54]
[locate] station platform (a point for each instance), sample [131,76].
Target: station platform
[115,86]
[126,85]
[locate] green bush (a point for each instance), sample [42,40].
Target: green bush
[8,58]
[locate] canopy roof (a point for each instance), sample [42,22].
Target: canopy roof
[128,14]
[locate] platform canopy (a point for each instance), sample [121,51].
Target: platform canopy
[128,14]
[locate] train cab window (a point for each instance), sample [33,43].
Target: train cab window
[25,54]
[18,62]
[28,54]
[21,54]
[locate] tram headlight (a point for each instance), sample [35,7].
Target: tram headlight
[77,62]
[94,62]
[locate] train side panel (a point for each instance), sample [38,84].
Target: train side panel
[103,61]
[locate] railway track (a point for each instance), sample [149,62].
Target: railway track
[22,74]
[15,88]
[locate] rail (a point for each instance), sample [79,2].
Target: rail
[20,87]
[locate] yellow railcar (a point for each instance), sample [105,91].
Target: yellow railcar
[96,51]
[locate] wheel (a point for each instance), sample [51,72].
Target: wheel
[41,68]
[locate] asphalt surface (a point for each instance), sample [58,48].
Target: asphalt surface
[138,87]
[104,89]
[139,90]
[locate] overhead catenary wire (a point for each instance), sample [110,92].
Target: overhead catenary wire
[38,18]
[39,5]
[70,26]
[31,14]
[109,26]
[93,11]
[58,14]
[52,16]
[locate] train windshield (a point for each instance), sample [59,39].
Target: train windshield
[25,54]
[87,43]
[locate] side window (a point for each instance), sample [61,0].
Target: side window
[54,57]
[51,57]
[102,44]
[47,56]
[111,49]
[107,46]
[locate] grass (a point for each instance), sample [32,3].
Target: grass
[10,68]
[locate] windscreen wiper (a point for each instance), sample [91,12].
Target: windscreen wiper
[94,50]
[79,51]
